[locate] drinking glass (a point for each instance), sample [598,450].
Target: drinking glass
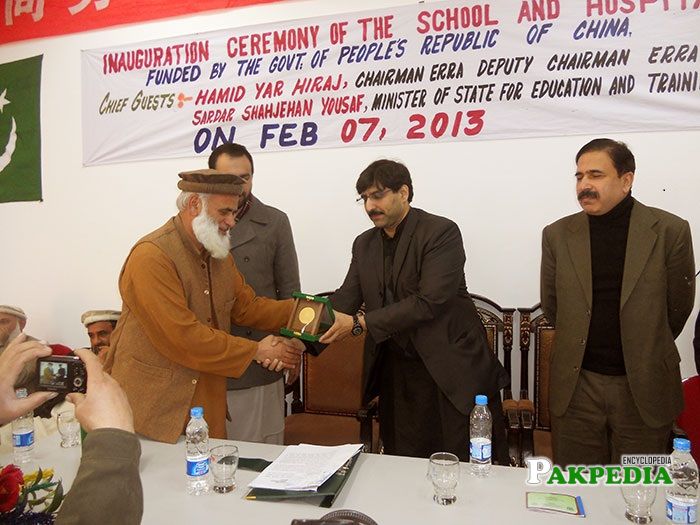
[223,464]
[638,501]
[443,472]
[69,428]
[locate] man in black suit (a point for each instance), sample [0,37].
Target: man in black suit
[426,353]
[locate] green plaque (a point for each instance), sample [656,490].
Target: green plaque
[311,317]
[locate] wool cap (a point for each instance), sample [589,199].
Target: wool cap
[210,181]
[94,316]
[13,310]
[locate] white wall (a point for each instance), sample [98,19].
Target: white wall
[63,256]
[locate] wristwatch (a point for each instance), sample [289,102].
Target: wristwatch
[356,326]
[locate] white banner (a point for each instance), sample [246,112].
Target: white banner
[435,72]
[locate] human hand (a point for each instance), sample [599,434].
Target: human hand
[340,330]
[293,374]
[105,404]
[12,361]
[277,353]
[102,353]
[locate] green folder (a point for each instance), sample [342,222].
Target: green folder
[326,493]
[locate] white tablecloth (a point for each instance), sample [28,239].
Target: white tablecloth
[392,490]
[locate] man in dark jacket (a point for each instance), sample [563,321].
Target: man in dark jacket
[617,282]
[426,353]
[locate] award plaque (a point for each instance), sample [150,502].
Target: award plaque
[311,317]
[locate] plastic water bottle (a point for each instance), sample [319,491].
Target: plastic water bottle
[682,496]
[480,437]
[197,444]
[23,435]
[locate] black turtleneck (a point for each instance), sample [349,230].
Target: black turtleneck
[608,244]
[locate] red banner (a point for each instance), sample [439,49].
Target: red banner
[25,19]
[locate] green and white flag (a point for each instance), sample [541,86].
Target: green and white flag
[20,132]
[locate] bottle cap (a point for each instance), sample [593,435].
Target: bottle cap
[196,412]
[481,400]
[21,393]
[681,444]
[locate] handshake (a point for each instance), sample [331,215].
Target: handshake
[277,353]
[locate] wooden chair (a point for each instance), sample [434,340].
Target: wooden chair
[498,323]
[327,404]
[536,334]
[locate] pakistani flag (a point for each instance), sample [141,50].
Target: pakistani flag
[20,136]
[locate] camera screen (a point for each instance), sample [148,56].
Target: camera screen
[53,374]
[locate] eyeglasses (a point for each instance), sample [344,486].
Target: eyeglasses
[374,196]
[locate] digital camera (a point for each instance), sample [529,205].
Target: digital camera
[65,373]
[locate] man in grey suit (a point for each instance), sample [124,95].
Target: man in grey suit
[263,249]
[426,353]
[617,282]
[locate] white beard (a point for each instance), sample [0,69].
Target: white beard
[207,232]
[17,330]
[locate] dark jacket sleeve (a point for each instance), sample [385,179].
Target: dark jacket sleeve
[441,271]
[548,273]
[680,274]
[346,299]
[107,488]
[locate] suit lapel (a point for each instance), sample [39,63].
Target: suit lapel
[376,258]
[640,242]
[243,231]
[579,243]
[404,243]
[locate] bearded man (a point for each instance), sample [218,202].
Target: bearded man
[181,293]
[12,322]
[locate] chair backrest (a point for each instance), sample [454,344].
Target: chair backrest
[498,323]
[332,381]
[689,420]
[536,333]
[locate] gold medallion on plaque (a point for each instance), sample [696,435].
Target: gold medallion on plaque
[312,315]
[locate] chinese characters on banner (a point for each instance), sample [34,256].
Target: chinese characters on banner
[23,19]
[443,71]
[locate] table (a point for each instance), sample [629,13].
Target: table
[392,490]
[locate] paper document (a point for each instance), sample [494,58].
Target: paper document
[304,467]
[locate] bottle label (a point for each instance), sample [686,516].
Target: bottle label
[23,439]
[681,511]
[197,466]
[480,449]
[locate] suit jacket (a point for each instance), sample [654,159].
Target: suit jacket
[262,246]
[432,308]
[658,290]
